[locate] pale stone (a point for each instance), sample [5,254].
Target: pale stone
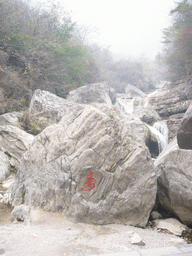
[174,181]
[4,166]
[45,109]
[172,225]
[133,91]
[91,93]
[88,149]
[21,213]
[177,241]
[147,115]
[15,142]
[137,240]
[10,119]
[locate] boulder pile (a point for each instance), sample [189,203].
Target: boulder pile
[93,161]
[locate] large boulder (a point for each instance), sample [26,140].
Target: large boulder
[45,109]
[173,123]
[174,181]
[14,142]
[184,134]
[175,101]
[99,92]
[147,115]
[92,167]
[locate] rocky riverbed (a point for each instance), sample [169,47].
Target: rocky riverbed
[52,234]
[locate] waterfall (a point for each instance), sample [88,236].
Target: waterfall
[160,130]
[127,105]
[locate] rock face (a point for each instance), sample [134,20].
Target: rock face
[4,166]
[173,123]
[184,134]
[133,91]
[171,103]
[10,119]
[15,142]
[137,240]
[147,115]
[92,167]
[174,181]
[99,92]
[46,109]
[171,106]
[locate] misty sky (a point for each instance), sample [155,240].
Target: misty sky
[128,27]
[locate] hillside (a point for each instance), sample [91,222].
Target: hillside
[41,48]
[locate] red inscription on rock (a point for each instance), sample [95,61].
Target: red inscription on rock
[91,182]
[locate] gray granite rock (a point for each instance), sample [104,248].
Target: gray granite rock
[92,166]
[174,181]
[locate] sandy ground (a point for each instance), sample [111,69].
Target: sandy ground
[52,234]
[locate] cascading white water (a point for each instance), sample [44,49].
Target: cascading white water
[160,130]
[127,105]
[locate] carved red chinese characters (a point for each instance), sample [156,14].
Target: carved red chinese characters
[91,182]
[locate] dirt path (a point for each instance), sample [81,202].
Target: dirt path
[52,235]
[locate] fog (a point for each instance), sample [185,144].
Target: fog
[128,28]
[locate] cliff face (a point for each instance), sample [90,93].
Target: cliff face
[172,105]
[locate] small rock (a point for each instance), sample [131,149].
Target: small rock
[21,213]
[177,241]
[137,240]
[156,215]
[172,225]
[2,251]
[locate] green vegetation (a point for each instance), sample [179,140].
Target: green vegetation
[178,40]
[41,48]
[12,169]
